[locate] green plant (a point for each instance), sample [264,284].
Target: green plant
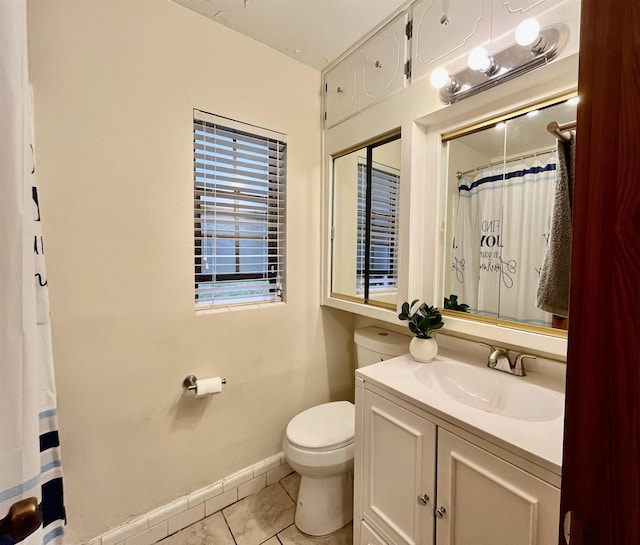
[423,321]
[451,303]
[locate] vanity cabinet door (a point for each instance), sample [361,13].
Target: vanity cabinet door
[398,471]
[488,501]
[368,536]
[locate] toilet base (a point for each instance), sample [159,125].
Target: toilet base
[324,504]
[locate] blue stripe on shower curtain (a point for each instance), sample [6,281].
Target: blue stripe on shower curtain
[30,462]
[518,173]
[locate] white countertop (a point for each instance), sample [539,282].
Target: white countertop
[539,442]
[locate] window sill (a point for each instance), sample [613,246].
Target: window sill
[239,308]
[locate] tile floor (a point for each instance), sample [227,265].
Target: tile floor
[262,518]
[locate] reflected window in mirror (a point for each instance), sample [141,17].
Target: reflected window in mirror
[366,193]
[508,247]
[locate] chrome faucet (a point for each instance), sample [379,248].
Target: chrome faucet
[499,359]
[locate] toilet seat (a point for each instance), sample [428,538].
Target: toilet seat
[324,427]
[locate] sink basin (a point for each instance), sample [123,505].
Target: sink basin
[492,391]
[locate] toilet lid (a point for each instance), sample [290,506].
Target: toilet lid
[326,426]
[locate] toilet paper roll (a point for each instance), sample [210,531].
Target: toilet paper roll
[208,386]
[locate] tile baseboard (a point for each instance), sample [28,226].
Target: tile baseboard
[168,519]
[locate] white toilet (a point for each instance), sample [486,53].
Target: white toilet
[318,444]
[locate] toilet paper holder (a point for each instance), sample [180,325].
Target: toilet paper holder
[189,382]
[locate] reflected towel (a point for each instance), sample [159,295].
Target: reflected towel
[553,287]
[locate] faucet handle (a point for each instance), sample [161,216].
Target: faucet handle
[518,366]
[489,346]
[496,355]
[492,350]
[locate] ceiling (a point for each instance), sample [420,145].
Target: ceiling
[313,32]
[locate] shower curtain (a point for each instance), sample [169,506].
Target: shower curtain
[502,226]
[29,446]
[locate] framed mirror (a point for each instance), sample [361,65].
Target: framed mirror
[364,253]
[508,217]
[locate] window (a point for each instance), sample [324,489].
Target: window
[239,212]
[383,257]
[383,254]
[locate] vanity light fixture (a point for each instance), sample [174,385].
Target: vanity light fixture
[534,47]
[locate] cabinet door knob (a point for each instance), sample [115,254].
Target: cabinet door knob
[440,513]
[423,500]
[377,64]
[339,90]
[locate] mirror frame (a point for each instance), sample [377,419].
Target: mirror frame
[385,138]
[469,129]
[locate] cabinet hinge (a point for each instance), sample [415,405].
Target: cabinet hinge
[408,29]
[325,116]
[326,88]
[407,69]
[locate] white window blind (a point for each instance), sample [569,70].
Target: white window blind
[382,225]
[239,212]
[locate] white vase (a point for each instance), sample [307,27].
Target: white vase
[423,350]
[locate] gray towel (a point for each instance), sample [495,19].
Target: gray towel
[553,285]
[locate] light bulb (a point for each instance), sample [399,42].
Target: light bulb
[440,78]
[527,32]
[478,59]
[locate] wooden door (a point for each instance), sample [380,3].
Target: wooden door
[601,468]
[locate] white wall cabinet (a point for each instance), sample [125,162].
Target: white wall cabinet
[421,484]
[341,90]
[507,14]
[373,72]
[442,33]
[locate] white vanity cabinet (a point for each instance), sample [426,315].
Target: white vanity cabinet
[419,483]
[374,71]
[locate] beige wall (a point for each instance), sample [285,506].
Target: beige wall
[115,82]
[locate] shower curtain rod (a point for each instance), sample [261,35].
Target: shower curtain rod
[559,130]
[460,174]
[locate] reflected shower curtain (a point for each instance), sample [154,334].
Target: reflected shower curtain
[29,446]
[502,227]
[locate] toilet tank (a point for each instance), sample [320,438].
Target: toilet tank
[374,344]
